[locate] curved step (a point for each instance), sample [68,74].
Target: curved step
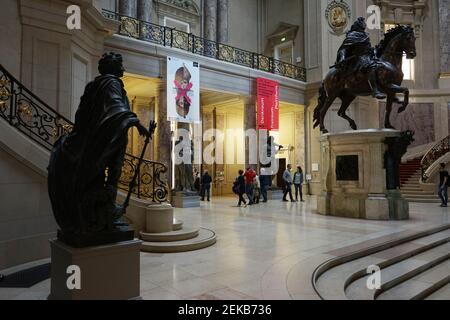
[425,240]
[441,294]
[399,287]
[400,272]
[205,239]
[177,224]
[179,235]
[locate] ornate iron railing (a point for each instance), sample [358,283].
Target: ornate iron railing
[434,155]
[38,121]
[169,37]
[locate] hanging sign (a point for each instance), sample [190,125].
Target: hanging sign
[183,90]
[268,102]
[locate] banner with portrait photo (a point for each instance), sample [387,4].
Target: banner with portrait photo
[183,90]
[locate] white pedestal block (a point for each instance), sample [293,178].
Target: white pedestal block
[185,201]
[275,194]
[159,218]
[109,272]
[354,178]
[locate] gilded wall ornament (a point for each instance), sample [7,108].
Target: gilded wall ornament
[338,14]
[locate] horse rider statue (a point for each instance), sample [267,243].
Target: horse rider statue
[357,46]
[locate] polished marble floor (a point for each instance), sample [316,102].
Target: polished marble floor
[256,251]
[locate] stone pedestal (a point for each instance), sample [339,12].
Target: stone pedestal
[182,200]
[159,218]
[275,194]
[354,177]
[109,272]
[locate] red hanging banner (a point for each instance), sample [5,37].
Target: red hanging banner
[267,95]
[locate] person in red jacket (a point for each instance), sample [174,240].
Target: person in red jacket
[250,176]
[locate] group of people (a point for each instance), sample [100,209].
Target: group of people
[255,186]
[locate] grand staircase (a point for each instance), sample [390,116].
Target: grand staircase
[415,265]
[410,175]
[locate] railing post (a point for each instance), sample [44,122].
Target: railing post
[139,181]
[154,182]
[11,103]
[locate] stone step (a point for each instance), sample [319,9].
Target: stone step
[400,273]
[177,224]
[404,192]
[403,189]
[404,284]
[441,294]
[418,200]
[178,235]
[420,195]
[204,239]
[332,278]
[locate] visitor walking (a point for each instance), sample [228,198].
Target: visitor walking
[257,190]
[240,188]
[287,178]
[444,181]
[206,185]
[264,180]
[249,175]
[298,183]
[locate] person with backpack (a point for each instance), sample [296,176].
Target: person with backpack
[239,188]
[298,183]
[444,182]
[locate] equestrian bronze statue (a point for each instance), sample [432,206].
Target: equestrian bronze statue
[85,165]
[361,70]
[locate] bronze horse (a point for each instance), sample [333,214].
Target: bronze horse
[340,84]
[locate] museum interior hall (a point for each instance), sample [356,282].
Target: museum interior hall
[224,150]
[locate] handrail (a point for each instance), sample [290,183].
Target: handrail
[30,115]
[170,37]
[433,155]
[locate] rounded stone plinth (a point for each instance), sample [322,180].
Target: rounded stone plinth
[204,239]
[179,235]
[159,218]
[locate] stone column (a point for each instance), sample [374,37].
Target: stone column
[144,13]
[144,10]
[128,7]
[444,22]
[164,134]
[211,20]
[222,21]
[251,144]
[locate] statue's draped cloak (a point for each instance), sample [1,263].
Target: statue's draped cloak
[357,44]
[77,170]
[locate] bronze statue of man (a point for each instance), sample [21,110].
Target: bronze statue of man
[85,165]
[357,54]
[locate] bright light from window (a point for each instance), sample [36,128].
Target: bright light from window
[407,64]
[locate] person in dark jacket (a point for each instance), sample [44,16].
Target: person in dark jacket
[241,184]
[206,185]
[443,185]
